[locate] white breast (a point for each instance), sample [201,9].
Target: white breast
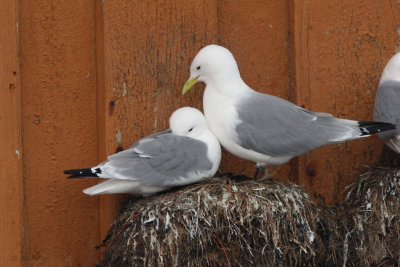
[221,116]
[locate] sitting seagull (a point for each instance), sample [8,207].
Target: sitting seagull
[387,102]
[185,154]
[259,127]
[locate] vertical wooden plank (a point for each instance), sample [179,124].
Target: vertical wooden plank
[257,35]
[148,48]
[340,49]
[101,109]
[11,193]
[298,49]
[59,131]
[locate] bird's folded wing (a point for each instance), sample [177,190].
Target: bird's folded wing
[387,105]
[159,160]
[276,127]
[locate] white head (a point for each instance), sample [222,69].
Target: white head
[188,121]
[212,64]
[392,69]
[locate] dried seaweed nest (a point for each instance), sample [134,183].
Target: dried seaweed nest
[224,222]
[217,223]
[371,230]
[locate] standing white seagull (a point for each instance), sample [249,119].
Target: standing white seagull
[185,154]
[260,127]
[387,102]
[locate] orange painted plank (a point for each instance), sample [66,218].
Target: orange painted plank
[340,49]
[59,131]
[256,33]
[148,48]
[11,195]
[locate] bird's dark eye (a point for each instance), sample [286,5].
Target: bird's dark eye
[190,129]
[198,67]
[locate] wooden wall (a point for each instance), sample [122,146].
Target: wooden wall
[81,79]
[11,183]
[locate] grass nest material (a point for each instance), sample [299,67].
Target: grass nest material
[221,222]
[371,230]
[224,222]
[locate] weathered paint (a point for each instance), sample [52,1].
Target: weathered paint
[257,33]
[11,199]
[59,131]
[97,76]
[148,47]
[340,50]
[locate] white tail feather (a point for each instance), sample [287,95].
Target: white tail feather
[113,186]
[118,186]
[394,143]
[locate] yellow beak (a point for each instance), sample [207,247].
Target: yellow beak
[189,84]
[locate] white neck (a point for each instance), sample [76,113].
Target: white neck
[392,69]
[230,87]
[214,148]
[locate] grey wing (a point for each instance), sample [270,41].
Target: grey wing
[276,127]
[163,159]
[387,106]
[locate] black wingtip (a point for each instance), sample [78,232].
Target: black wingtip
[74,176]
[81,173]
[68,171]
[373,127]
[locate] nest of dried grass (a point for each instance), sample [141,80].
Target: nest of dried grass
[260,223]
[217,223]
[371,230]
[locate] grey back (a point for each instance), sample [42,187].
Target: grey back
[160,159]
[387,106]
[276,127]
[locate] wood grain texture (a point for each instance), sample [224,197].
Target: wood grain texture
[340,50]
[59,131]
[11,194]
[80,80]
[148,47]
